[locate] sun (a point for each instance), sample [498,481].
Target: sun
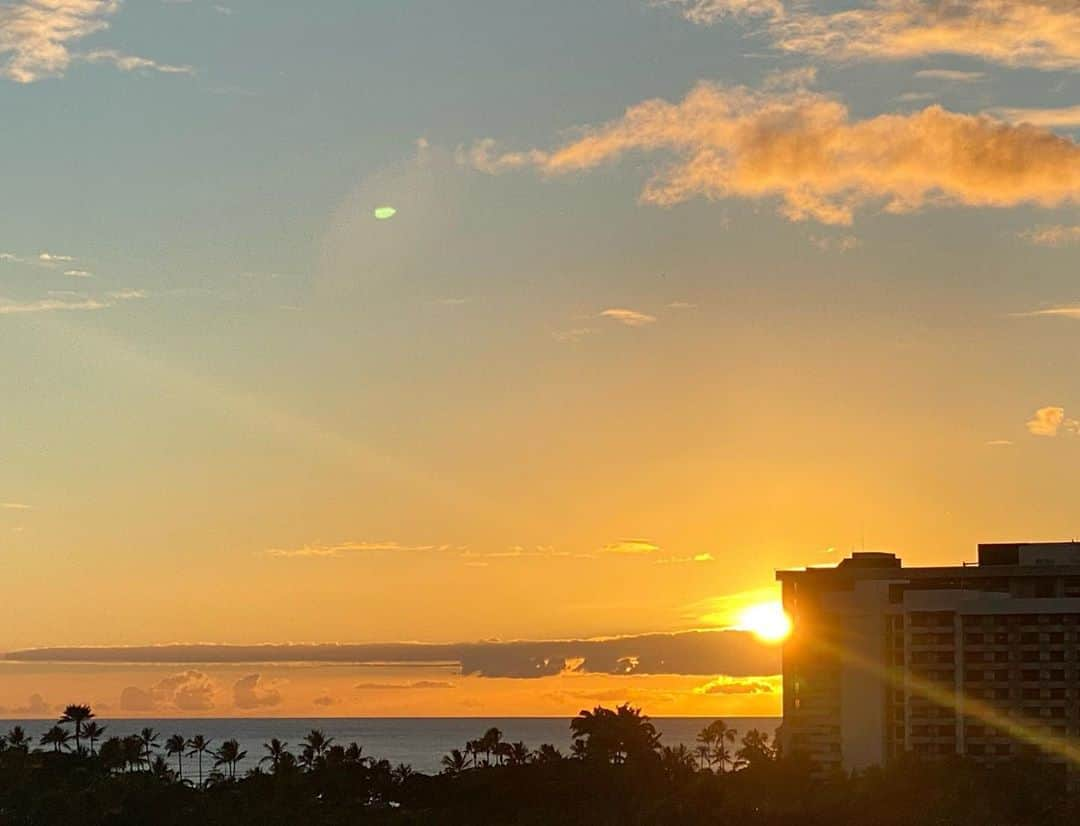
[767,621]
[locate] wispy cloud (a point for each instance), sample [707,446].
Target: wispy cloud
[1049,421]
[805,149]
[631,318]
[709,11]
[1065,117]
[15,506]
[131,63]
[348,548]
[37,38]
[842,243]
[53,258]
[418,685]
[999,443]
[1053,236]
[47,305]
[631,547]
[1043,34]
[1053,312]
[573,335]
[951,75]
[78,273]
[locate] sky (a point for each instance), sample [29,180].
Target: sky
[544,332]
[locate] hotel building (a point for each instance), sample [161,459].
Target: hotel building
[981,659]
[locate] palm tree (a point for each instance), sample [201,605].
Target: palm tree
[317,741]
[716,736]
[149,739]
[57,737]
[276,751]
[229,755]
[160,769]
[401,773]
[490,741]
[354,753]
[77,714]
[18,739]
[198,745]
[518,754]
[132,751]
[547,753]
[455,762]
[474,748]
[93,732]
[176,745]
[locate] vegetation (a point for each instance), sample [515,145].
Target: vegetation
[618,772]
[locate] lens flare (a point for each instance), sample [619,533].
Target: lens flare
[767,621]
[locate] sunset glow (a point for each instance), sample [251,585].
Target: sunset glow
[767,621]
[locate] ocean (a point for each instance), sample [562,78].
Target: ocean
[419,742]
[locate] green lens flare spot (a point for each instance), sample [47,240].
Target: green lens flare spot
[384,213]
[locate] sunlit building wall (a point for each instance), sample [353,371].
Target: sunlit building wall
[978,660]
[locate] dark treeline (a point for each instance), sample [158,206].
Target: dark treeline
[617,772]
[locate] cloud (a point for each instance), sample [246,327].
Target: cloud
[726,685]
[573,335]
[631,546]
[1042,34]
[843,243]
[45,305]
[791,78]
[131,63]
[187,691]
[11,258]
[704,653]
[803,148]
[682,305]
[35,707]
[50,258]
[15,506]
[951,75]
[999,443]
[324,700]
[35,35]
[1058,312]
[36,38]
[1049,421]
[1053,236]
[422,685]
[1066,117]
[78,273]
[346,548]
[251,692]
[631,318]
[709,11]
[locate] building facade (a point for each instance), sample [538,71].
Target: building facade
[980,660]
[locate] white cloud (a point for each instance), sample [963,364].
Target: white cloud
[1065,117]
[78,273]
[631,318]
[52,258]
[709,11]
[11,258]
[15,506]
[46,305]
[132,63]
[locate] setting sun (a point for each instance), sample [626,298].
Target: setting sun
[767,621]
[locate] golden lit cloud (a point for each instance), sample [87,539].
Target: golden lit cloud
[1043,34]
[631,318]
[1049,421]
[346,548]
[804,149]
[252,691]
[631,546]
[1064,117]
[728,685]
[709,11]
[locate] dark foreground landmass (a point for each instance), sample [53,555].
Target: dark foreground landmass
[618,773]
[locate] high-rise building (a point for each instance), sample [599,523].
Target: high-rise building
[981,659]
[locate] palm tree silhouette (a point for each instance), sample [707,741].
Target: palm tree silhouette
[77,714]
[198,745]
[132,750]
[57,737]
[18,739]
[317,741]
[229,755]
[518,754]
[491,740]
[276,751]
[93,732]
[455,762]
[716,737]
[176,745]
[149,739]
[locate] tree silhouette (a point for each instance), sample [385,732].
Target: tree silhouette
[198,746]
[490,743]
[176,745]
[149,739]
[229,755]
[275,752]
[547,753]
[455,762]
[715,737]
[133,749]
[619,736]
[756,750]
[57,737]
[77,714]
[93,732]
[518,754]
[18,739]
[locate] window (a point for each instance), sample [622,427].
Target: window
[1029,675]
[1058,675]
